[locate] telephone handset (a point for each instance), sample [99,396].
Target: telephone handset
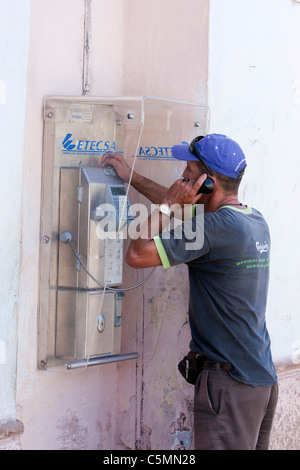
[207,187]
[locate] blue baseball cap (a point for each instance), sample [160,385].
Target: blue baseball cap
[217,151]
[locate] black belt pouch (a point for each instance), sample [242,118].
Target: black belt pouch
[189,367]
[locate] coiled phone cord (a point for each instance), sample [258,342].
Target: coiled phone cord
[114,289]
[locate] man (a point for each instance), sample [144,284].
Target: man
[236,389]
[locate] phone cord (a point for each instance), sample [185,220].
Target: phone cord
[115,289]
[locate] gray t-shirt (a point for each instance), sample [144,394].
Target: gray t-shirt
[228,275]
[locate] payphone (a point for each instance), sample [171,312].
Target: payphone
[94,209]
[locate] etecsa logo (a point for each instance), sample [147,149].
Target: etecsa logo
[89,147]
[67,142]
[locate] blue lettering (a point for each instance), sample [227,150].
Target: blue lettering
[141,151]
[88,145]
[157,152]
[113,147]
[98,145]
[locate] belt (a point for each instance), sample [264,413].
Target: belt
[205,363]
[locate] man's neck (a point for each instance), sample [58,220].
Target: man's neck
[214,202]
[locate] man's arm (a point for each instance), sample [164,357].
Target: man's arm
[142,252]
[152,190]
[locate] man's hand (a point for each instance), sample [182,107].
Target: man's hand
[152,190]
[184,191]
[117,161]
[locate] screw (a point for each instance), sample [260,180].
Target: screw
[46,239]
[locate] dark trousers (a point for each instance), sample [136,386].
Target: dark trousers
[229,415]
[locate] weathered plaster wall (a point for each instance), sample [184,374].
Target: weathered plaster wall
[60,410]
[13,67]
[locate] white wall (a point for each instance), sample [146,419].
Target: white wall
[14,46]
[254,96]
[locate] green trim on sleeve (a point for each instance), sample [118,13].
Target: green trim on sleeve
[161,251]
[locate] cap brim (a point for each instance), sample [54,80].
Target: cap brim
[182,152]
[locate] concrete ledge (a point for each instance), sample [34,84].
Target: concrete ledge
[11,429]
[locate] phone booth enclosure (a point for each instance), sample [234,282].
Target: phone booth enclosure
[78,131]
